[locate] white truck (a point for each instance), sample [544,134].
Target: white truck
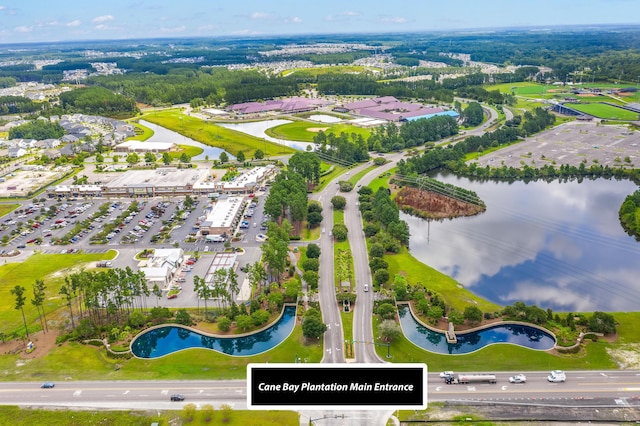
[213,238]
[451,379]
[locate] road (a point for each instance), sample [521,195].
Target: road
[593,388]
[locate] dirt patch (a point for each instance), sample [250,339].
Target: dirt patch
[626,356]
[42,343]
[587,95]
[427,204]
[317,129]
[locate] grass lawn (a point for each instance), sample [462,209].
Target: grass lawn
[214,135]
[347,330]
[606,111]
[39,266]
[455,294]
[324,180]
[355,178]
[381,180]
[74,361]
[27,416]
[500,357]
[142,132]
[340,69]
[7,208]
[299,130]
[190,150]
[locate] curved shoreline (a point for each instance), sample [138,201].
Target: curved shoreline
[476,329]
[215,336]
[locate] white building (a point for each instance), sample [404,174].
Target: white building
[223,217]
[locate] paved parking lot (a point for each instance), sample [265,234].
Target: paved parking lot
[572,143]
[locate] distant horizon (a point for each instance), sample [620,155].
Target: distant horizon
[533,28]
[41,21]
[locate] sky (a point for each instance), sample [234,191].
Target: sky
[26,21]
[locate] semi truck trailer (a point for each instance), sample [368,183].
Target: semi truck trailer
[451,379]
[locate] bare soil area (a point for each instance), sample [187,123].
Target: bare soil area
[42,343]
[427,204]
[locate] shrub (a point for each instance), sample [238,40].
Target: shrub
[311,265]
[224,324]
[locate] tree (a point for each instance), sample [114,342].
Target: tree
[311,278]
[376,250]
[18,292]
[133,158]
[240,157]
[149,157]
[340,231]
[184,158]
[381,276]
[224,324]
[99,158]
[244,322]
[312,264]
[386,311]
[456,317]
[166,158]
[389,330]
[338,202]
[313,251]
[314,218]
[435,313]
[183,317]
[258,155]
[224,157]
[313,327]
[601,322]
[38,301]
[473,314]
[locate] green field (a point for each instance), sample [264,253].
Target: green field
[606,111]
[315,71]
[142,133]
[39,266]
[299,130]
[214,135]
[7,208]
[17,416]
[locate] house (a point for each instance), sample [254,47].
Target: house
[69,138]
[52,153]
[17,152]
[51,143]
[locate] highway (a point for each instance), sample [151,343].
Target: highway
[584,388]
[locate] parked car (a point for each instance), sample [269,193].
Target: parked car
[177,397]
[518,378]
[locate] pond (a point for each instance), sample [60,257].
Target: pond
[258,128]
[516,334]
[323,118]
[162,134]
[558,245]
[168,339]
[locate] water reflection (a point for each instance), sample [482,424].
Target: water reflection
[162,134]
[558,245]
[166,340]
[258,129]
[516,334]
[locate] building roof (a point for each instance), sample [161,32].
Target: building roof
[224,212]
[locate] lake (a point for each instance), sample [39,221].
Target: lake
[556,245]
[258,129]
[162,134]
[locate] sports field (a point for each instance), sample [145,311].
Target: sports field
[606,111]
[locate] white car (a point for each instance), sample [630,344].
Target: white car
[557,376]
[518,378]
[446,374]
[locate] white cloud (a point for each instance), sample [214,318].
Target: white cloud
[173,29]
[103,18]
[3,7]
[261,15]
[23,29]
[395,20]
[73,23]
[294,19]
[102,27]
[350,13]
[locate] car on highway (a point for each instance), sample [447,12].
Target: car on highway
[177,397]
[47,385]
[518,378]
[557,376]
[445,374]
